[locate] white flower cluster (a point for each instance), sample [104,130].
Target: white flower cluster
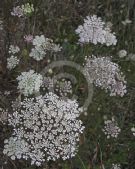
[15,147]
[28,38]
[27,8]
[22,10]
[111,128]
[63,87]
[106,74]
[17,11]
[3,115]
[13,49]
[122,53]
[12,61]
[94,30]
[133,130]
[45,128]
[29,82]
[41,46]
[116,166]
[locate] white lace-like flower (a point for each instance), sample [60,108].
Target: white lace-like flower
[29,82]
[27,8]
[17,11]
[39,40]
[47,128]
[37,53]
[111,128]
[133,130]
[63,87]
[94,30]
[12,62]
[106,74]
[41,46]
[13,49]
[15,147]
[28,38]
[56,47]
[22,10]
[116,166]
[122,53]
[110,38]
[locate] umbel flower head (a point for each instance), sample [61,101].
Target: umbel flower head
[17,11]
[22,10]
[45,128]
[116,166]
[106,74]
[111,128]
[12,62]
[29,82]
[27,8]
[133,130]
[94,31]
[28,38]
[41,46]
[13,49]
[64,87]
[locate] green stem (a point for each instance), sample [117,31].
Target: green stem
[81,162]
